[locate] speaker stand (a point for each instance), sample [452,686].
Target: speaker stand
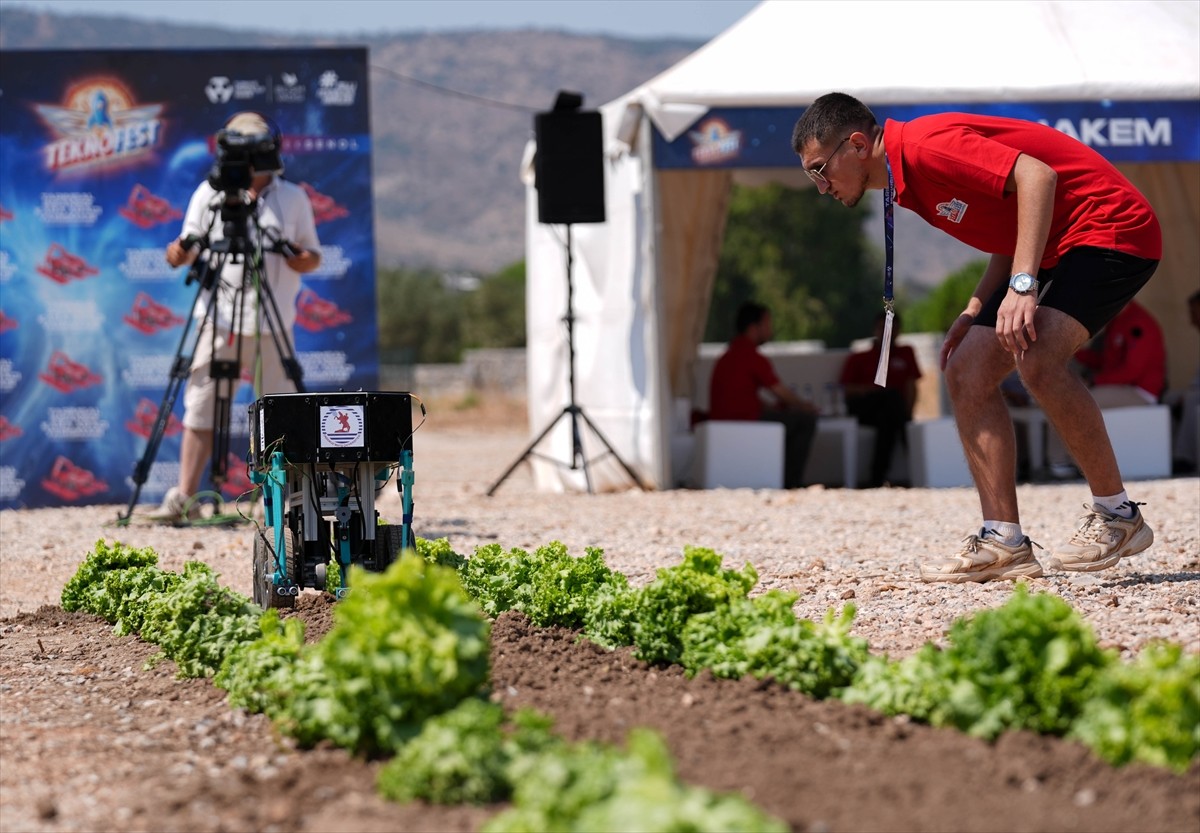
[572,411]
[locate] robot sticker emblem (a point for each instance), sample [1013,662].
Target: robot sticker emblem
[342,426]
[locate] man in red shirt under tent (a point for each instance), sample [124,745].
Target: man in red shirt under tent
[887,409]
[1071,242]
[1125,366]
[742,375]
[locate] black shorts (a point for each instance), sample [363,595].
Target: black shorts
[1091,285]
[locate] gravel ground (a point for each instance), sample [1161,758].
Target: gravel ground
[833,546]
[93,741]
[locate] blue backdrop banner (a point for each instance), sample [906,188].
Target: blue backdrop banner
[99,154]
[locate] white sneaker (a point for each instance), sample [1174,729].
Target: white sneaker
[176,508]
[984,557]
[1102,539]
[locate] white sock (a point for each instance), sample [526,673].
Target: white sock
[1007,532]
[1115,504]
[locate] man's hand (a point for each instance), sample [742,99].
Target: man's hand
[958,330]
[1014,322]
[179,254]
[305,260]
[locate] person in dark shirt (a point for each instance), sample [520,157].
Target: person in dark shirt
[887,409]
[742,373]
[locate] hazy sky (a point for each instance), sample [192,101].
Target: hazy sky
[693,19]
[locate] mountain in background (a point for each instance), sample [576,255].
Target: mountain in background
[450,117]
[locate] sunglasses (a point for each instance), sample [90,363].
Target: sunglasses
[816,174]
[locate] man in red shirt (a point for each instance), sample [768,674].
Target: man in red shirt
[1127,368]
[742,372]
[887,409]
[1072,241]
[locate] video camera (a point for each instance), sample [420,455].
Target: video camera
[239,156]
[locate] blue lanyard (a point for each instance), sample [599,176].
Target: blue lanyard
[889,231]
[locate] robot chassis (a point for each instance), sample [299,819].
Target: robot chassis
[320,459]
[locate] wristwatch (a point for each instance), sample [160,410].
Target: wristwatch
[1023,283]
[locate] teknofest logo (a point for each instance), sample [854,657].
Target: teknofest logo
[99,123]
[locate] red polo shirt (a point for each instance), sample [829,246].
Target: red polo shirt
[1133,352]
[736,379]
[860,367]
[950,168]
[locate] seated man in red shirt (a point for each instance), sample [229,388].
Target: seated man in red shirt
[743,372]
[888,409]
[1125,365]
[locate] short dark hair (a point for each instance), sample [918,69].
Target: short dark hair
[828,117]
[749,314]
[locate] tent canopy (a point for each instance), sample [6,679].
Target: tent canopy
[1122,76]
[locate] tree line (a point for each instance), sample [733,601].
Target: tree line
[804,256]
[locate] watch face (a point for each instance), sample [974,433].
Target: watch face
[1022,282]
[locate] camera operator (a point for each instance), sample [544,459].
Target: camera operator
[277,218]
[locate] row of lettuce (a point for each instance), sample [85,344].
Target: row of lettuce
[404,673]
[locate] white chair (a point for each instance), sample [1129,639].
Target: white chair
[935,454]
[737,455]
[833,456]
[1141,439]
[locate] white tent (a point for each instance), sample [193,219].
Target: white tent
[1122,76]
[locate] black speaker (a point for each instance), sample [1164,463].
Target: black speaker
[569,167]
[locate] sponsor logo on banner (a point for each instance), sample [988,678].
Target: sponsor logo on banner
[325,208]
[314,313]
[1116,132]
[66,375]
[145,417]
[8,430]
[289,90]
[99,123]
[10,376]
[221,89]
[74,424]
[68,209]
[61,266]
[342,427]
[334,92]
[70,482]
[237,478]
[144,209]
[327,367]
[150,317]
[715,142]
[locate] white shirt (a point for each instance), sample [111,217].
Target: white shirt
[282,209]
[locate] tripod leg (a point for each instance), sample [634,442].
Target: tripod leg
[181,366]
[578,458]
[524,454]
[282,340]
[632,475]
[226,374]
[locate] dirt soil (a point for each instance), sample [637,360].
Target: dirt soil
[92,742]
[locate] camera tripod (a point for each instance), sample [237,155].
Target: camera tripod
[206,273]
[571,410]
